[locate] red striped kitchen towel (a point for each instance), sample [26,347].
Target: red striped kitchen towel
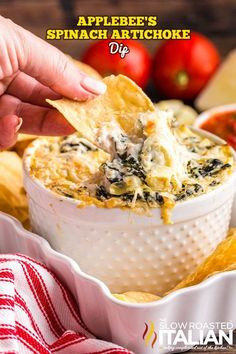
[38,315]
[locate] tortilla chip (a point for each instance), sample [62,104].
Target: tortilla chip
[136,297]
[87,69]
[121,103]
[23,140]
[221,260]
[13,199]
[26,137]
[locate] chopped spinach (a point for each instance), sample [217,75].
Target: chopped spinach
[101,193]
[152,198]
[64,192]
[146,197]
[74,144]
[121,144]
[214,183]
[211,168]
[112,172]
[127,197]
[133,166]
[188,190]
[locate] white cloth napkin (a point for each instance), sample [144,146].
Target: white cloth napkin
[38,315]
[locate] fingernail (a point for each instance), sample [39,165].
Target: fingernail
[93,85]
[19,124]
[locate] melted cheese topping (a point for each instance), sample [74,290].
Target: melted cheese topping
[165,165]
[163,156]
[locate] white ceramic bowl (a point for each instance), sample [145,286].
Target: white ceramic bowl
[128,251]
[109,318]
[202,118]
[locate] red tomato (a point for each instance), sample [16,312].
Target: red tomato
[231,140]
[136,64]
[181,68]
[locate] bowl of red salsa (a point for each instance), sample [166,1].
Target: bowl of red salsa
[220,121]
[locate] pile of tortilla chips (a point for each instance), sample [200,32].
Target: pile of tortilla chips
[221,260]
[23,141]
[13,199]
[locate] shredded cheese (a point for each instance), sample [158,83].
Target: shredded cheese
[167,164]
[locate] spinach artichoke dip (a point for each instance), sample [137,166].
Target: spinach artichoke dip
[163,165]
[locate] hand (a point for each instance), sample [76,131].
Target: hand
[32,70]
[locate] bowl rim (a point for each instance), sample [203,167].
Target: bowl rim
[204,116]
[70,201]
[75,268]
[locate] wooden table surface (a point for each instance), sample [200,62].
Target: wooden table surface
[214,18]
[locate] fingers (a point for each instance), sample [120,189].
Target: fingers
[47,121]
[29,90]
[9,127]
[36,119]
[54,69]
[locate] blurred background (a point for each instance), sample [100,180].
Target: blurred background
[214,18]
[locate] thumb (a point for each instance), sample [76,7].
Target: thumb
[9,127]
[54,69]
